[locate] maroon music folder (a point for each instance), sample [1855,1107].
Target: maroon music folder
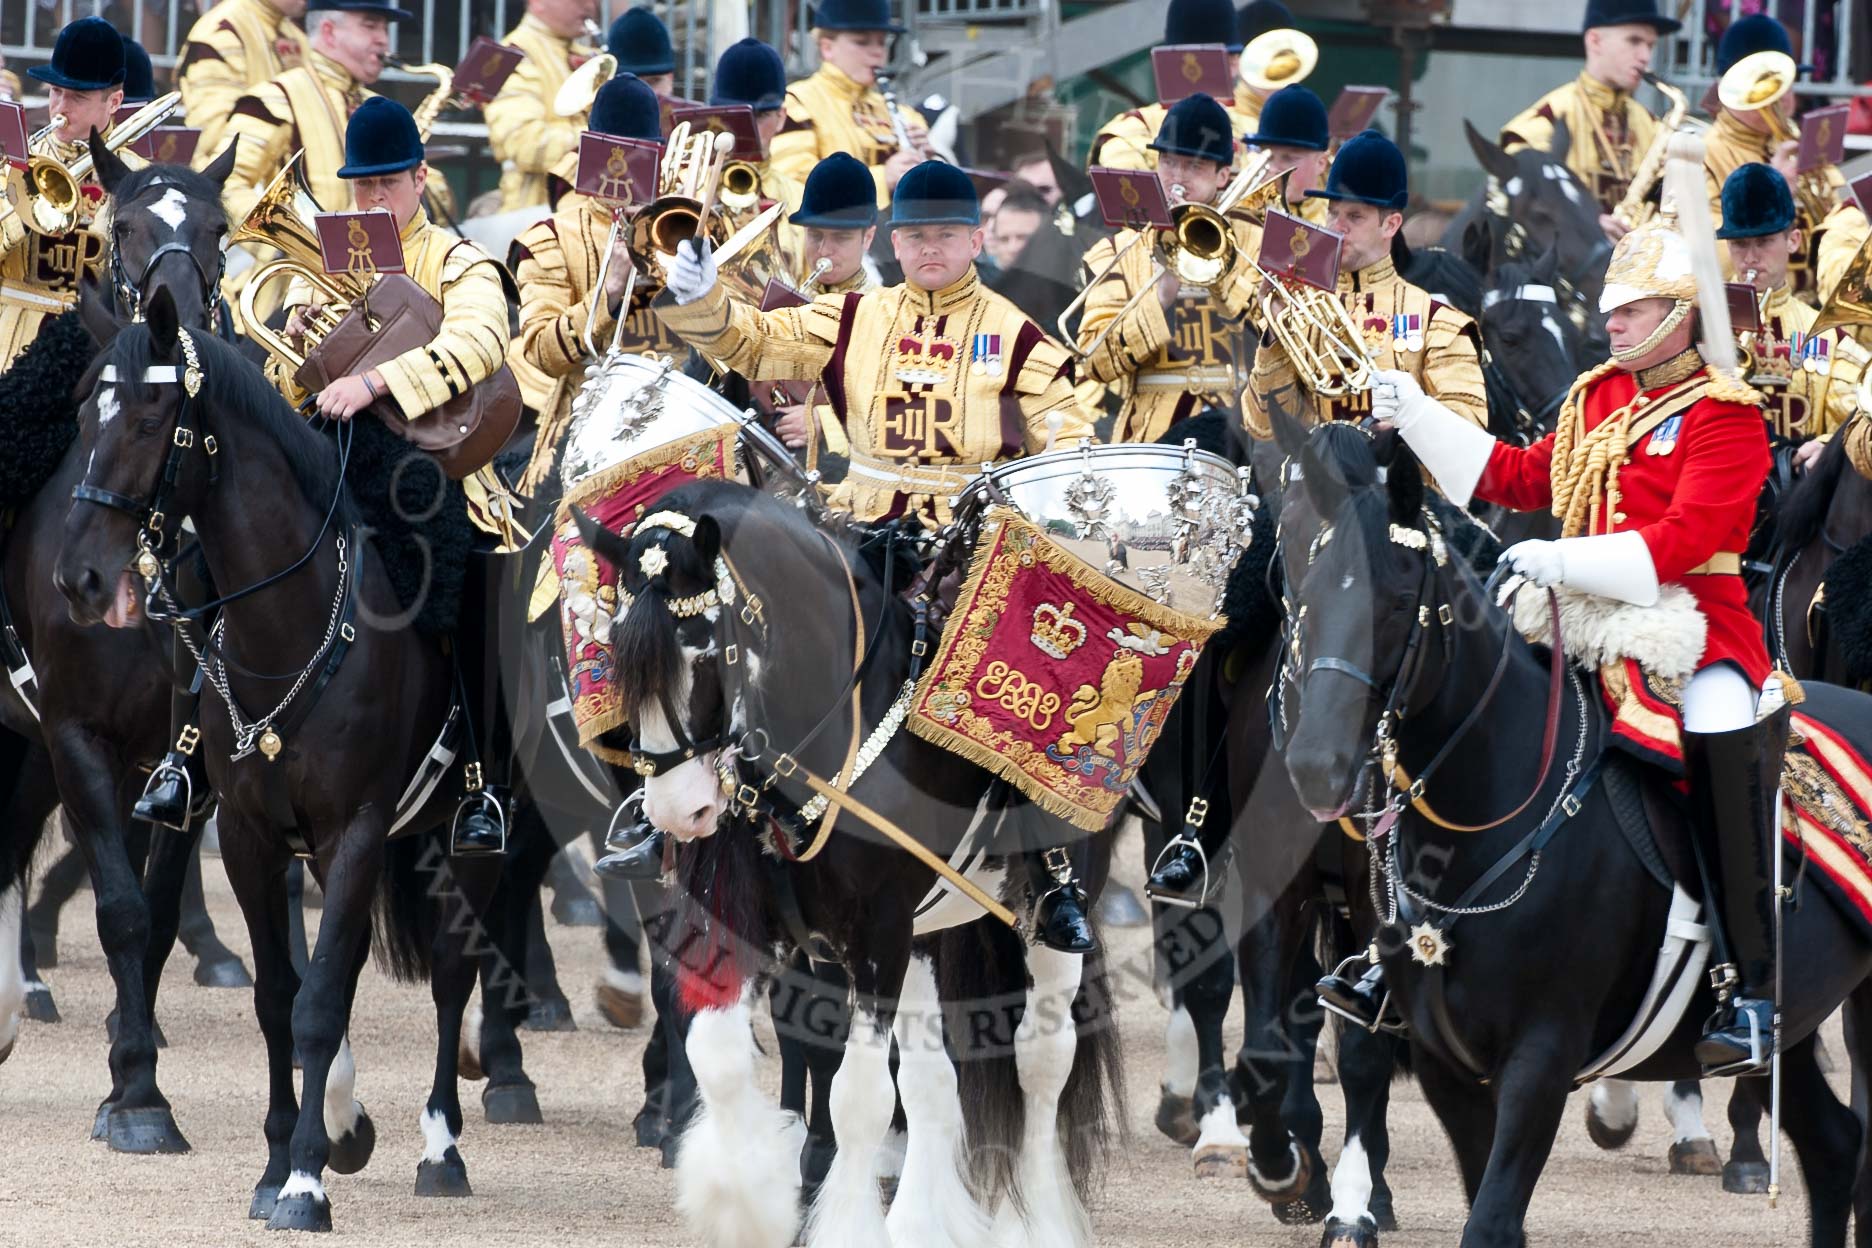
[735,119]
[617,170]
[485,70]
[1301,252]
[1183,69]
[1129,199]
[359,243]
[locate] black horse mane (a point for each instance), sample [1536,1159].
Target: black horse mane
[232,383]
[203,194]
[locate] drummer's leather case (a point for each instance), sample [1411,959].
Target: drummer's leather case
[397,315]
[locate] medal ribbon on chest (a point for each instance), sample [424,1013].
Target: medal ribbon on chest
[1407,332]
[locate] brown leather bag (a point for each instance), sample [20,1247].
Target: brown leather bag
[465,433]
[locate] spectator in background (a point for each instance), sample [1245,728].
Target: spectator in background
[1018,217]
[1036,170]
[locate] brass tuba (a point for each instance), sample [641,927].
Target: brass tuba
[283,219]
[53,188]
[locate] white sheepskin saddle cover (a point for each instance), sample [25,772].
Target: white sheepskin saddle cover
[1665,638]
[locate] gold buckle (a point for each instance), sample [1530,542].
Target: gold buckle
[155,522]
[188,739]
[784,765]
[184,437]
[1198,811]
[746,796]
[471,776]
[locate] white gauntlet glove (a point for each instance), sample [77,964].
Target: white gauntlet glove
[692,273]
[1452,447]
[1611,565]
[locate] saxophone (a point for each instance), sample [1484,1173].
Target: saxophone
[1634,210]
[432,104]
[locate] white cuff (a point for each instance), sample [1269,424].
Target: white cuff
[1611,565]
[1454,449]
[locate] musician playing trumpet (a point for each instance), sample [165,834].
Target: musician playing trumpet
[840,107]
[558,261]
[1809,380]
[1740,136]
[1181,350]
[39,272]
[1608,131]
[526,135]
[1401,325]
[751,73]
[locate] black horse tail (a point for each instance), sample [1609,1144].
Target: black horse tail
[718,927]
[982,980]
[1803,509]
[416,869]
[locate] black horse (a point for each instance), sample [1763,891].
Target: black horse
[742,626]
[97,713]
[1556,943]
[181,423]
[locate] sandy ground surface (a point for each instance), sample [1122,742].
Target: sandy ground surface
[578,1178]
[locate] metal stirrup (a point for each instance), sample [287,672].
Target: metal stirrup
[1202,898]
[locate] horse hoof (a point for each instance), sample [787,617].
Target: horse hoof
[1695,1157]
[100,1125]
[1360,1234]
[577,911]
[1609,1138]
[623,1010]
[225,972]
[468,1062]
[1176,1118]
[448,1177]
[511,1104]
[1291,1191]
[1745,1178]
[302,1211]
[145,1132]
[550,1014]
[40,1007]
[351,1152]
[650,1128]
[265,1198]
[1221,1161]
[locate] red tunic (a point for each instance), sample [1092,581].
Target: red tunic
[1689,501]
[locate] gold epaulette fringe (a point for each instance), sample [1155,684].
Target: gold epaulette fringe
[1729,388]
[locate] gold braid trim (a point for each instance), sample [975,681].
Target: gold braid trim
[688,450]
[1730,388]
[1567,467]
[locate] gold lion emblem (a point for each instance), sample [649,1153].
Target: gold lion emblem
[1098,716]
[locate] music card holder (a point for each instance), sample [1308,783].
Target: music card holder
[1130,199]
[485,70]
[1823,138]
[359,244]
[1354,110]
[168,145]
[735,119]
[13,133]
[1744,307]
[617,170]
[1861,189]
[1183,69]
[1711,104]
[780,295]
[1300,252]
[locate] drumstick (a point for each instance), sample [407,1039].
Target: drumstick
[719,150]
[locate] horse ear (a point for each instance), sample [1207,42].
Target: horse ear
[1290,434]
[707,541]
[1489,153]
[110,170]
[1478,244]
[97,311]
[1404,484]
[602,542]
[165,323]
[221,166]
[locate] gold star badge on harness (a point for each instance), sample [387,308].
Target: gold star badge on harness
[1428,946]
[652,562]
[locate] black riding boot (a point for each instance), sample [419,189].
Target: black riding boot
[481,820]
[1192,867]
[636,848]
[1734,784]
[1059,917]
[1364,1001]
[177,794]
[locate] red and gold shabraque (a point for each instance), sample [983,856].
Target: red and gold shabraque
[616,497]
[1052,675]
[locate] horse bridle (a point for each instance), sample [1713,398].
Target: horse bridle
[1528,421]
[130,294]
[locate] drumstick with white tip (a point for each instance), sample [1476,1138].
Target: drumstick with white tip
[1054,423]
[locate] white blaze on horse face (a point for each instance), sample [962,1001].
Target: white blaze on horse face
[12,985]
[1552,326]
[1559,173]
[107,408]
[685,801]
[171,209]
[1513,187]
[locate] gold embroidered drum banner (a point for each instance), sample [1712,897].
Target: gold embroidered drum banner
[1052,675]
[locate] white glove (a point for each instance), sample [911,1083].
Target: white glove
[1452,447]
[692,273]
[1610,565]
[1540,562]
[1397,399]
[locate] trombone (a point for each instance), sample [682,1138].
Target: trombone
[54,189]
[1757,83]
[46,131]
[1198,245]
